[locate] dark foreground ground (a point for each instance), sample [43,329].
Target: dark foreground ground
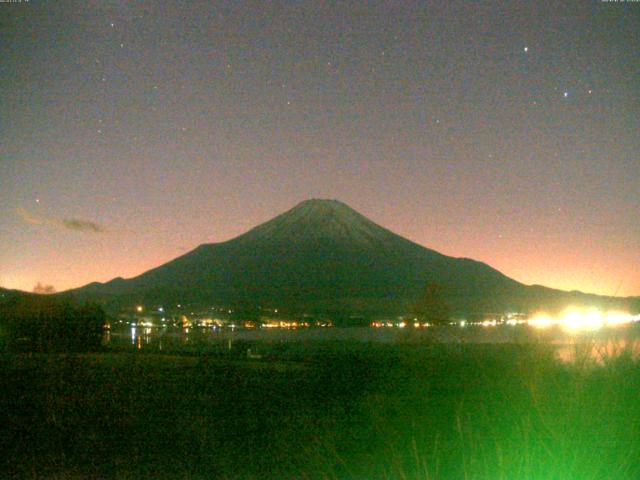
[346,411]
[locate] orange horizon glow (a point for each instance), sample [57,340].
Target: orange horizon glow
[65,272]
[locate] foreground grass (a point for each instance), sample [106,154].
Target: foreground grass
[345,411]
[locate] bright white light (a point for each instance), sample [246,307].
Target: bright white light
[614,318]
[575,319]
[463,323]
[572,320]
[541,321]
[592,320]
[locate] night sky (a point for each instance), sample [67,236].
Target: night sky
[133,131]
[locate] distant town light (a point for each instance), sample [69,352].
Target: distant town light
[139,308]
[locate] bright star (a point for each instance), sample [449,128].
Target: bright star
[526,49]
[566,94]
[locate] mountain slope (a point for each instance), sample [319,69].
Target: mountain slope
[321,255]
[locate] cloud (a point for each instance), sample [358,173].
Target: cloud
[82,225]
[74,224]
[44,289]
[32,219]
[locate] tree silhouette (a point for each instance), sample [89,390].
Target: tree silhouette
[431,307]
[48,324]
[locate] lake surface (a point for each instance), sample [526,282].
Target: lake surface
[568,346]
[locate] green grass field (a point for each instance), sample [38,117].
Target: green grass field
[345,411]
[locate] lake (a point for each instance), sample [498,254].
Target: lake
[568,345]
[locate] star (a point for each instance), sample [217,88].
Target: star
[526,49]
[566,94]
[112,25]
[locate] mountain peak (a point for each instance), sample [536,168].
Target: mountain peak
[322,206]
[318,218]
[315,202]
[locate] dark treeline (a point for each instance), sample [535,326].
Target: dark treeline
[51,324]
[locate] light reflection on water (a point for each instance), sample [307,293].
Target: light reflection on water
[569,347]
[598,351]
